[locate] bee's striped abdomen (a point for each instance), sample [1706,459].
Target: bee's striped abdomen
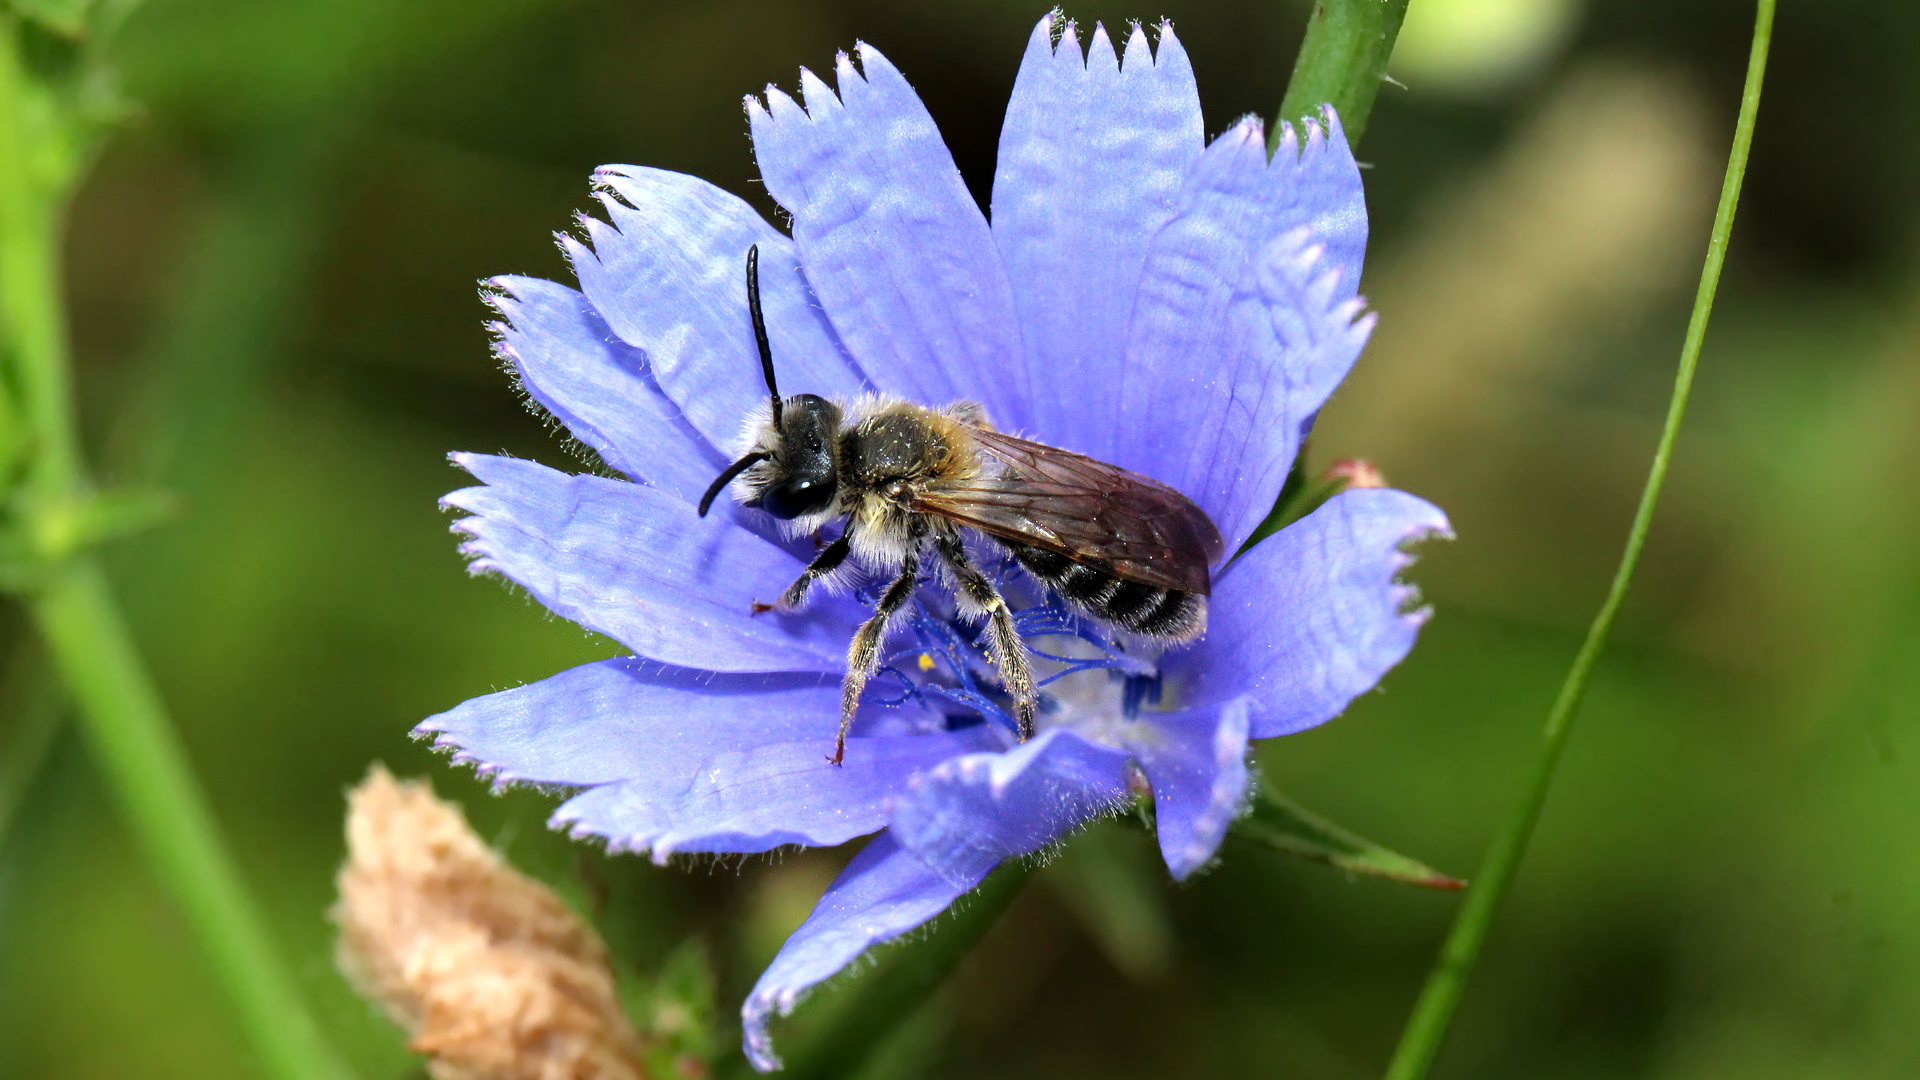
[1130,605]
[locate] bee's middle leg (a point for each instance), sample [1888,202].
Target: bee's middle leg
[823,564]
[1003,637]
[863,656]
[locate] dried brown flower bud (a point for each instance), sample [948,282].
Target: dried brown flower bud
[491,974]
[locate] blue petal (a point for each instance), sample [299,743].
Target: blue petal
[758,798]
[1092,157]
[1312,617]
[1245,321]
[635,564]
[598,386]
[667,271]
[1197,763]
[965,816]
[891,239]
[883,893]
[629,719]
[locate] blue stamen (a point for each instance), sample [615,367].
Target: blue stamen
[1137,692]
[952,651]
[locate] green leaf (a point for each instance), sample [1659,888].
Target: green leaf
[111,515]
[39,535]
[1280,823]
[57,530]
[68,18]
[677,1014]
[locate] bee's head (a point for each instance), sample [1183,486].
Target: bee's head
[799,477]
[790,470]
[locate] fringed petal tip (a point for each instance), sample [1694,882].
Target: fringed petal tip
[570,822]
[1320,133]
[663,852]
[1249,130]
[886,891]
[607,180]
[498,778]
[1408,601]
[756,1013]
[1056,31]
[1315,615]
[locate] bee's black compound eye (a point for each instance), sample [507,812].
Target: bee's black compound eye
[798,495]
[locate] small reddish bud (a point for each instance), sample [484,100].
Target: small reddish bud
[1350,473]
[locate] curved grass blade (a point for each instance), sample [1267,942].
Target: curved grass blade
[1427,1026]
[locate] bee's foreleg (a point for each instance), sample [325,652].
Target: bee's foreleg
[863,657]
[1003,638]
[823,564]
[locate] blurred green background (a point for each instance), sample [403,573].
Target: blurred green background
[272,282]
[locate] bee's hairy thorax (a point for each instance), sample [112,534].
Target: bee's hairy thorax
[886,458]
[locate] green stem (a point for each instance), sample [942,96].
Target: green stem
[1342,62]
[30,286]
[148,771]
[1427,1026]
[138,752]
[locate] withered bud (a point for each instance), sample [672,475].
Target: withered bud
[492,976]
[1350,473]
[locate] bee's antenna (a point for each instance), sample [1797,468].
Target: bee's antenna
[726,477]
[760,329]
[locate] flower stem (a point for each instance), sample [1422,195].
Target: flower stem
[1427,1026]
[1342,62]
[147,769]
[35,343]
[87,641]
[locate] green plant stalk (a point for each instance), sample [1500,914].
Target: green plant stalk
[29,288]
[1342,62]
[1427,1026]
[87,640]
[147,769]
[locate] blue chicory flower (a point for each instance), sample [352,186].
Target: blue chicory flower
[1177,307]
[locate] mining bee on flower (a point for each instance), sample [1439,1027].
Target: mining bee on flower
[910,481]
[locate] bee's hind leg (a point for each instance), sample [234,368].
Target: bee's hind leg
[1003,637]
[823,564]
[863,657]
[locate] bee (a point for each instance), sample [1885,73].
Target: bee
[911,483]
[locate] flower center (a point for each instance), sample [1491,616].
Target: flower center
[1085,675]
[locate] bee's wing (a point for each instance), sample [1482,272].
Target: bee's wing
[1117,522]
